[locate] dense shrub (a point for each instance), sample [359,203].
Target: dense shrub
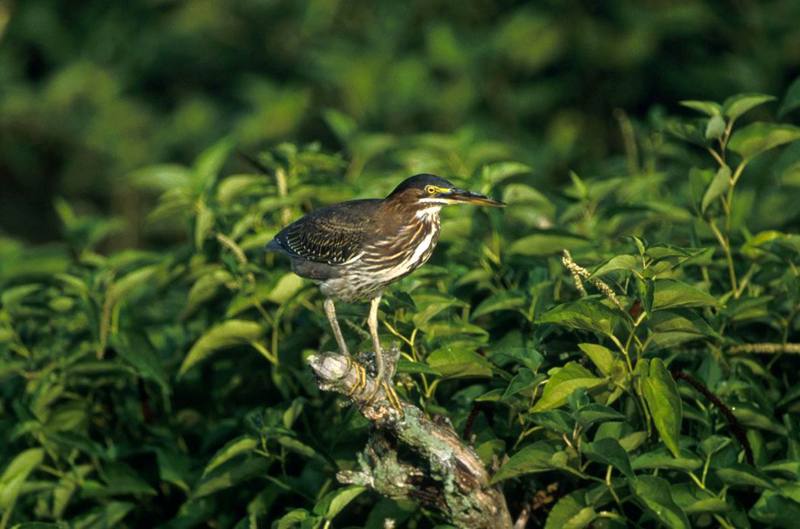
[166,388]
[95,89]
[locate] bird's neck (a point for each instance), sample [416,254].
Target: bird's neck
[402,211]
[428,213]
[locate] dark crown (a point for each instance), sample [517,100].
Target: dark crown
[419,181]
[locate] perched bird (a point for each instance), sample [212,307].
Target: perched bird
[355,249]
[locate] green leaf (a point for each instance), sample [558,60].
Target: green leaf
[118,479]
[758,137]
[715,127]
[661,458]
[674,327]
[174,467]
[342,125]
[135,350]
[708,108]
[585,315]
[15,475]
[695,501]
[233,448]
[776,510]
[204,223]
[105,517]
[40,525]
[791,100]
[286,288]
[292,518]
[689,131]
[739,474]
[232,475]
[601,356]
[209,164]
[737,105]
[608,451]
[532,458]
[571,512]
[459,361]
[497,172]
[717,187]
[661,395]
[160,177]
[654,495]
[226,334]
[502,300]
[205,288]
[593,412]
[129,283]
[563,382]
[558,421]
[333,502]
[672,293]
[524,380]
[546,243]
[619,262]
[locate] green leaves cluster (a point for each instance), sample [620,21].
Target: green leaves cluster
[167,388]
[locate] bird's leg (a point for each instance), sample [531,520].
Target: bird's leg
[380,365]
[330,312]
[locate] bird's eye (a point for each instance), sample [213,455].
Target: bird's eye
[430,190]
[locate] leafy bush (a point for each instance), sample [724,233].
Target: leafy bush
[94,89]
[646,376]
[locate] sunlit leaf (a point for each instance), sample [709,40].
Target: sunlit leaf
[654,494]
[661,395]
[758,137]
[585,315]
[706,107]
[530,459]
[735,106]
[332,503]
[459,362]
[563,382]
[226,334]
[15,475]
[571,512]
[791,100]
[609,452]
[672,293]
[233,448]
[717,187]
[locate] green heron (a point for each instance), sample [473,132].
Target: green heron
[355,249]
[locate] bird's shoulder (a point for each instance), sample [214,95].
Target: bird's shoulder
[332,234]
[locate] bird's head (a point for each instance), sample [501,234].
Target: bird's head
[431,190]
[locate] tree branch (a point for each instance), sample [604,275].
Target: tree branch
[446,474]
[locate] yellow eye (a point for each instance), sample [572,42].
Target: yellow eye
[430,189]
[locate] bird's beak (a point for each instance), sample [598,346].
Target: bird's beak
[462,196]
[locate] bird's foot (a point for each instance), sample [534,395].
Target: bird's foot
[361,376]
[383,377]
[379,381]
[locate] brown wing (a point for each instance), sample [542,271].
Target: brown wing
[331,235]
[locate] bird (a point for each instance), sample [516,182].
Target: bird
[355,249]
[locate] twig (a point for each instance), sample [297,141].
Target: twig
[734,425]
[766,348]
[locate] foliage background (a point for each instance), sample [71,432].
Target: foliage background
[131,235]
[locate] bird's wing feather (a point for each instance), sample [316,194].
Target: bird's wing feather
[332,235]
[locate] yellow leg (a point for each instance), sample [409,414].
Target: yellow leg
[330,312]
[380,366]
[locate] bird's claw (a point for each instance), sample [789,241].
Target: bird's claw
[361,383]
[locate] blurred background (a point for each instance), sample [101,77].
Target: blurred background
[92,90]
